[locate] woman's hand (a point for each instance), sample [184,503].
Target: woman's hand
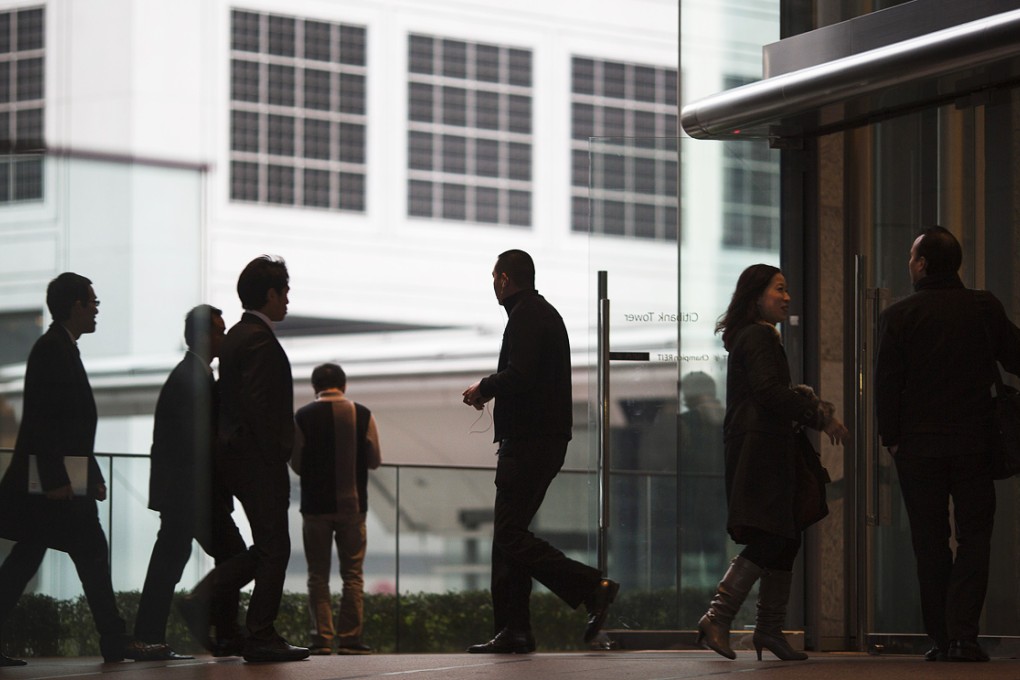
[838,434]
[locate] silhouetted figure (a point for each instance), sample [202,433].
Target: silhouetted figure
[256,436]
[59,420]
[336,443]
[192,501]
[933,379]
[533,417]
[702,472]
[763,410]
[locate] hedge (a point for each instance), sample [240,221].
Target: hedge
[429,622]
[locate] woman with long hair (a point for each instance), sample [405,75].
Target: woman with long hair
[763,413]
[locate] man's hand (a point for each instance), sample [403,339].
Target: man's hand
[100,492]
[62,493]
[473,396]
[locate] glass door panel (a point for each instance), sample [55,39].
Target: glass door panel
[666,537]
[942,166]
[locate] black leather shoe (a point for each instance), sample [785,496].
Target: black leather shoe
[145,651]
[966,650]
[274,650]
[598,607]
[196,618]
[936,653]
[8,661]
[136,650]
[506,642]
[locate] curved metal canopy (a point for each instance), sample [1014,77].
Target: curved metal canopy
[981,54]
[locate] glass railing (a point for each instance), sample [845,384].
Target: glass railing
[429,533]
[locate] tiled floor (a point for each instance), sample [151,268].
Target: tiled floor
[656,665]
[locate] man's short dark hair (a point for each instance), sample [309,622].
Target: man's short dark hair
[261,274]
[328,376]
[198,324]
[63,292]
[941,251]
[519,268]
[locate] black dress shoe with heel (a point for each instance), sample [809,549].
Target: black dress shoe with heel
[506,642]
[937,653]
[598,607]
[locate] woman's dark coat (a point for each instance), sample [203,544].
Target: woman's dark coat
[762,410]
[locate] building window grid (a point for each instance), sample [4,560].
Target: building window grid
[751,213]
[750,191]
[614,106]
[346,184]
[22,104]
[508,184]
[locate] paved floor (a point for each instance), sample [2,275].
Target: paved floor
[658,665]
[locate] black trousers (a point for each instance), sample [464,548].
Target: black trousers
[523,474]
[952,590]
[263,488]
[218,536]
[87,548]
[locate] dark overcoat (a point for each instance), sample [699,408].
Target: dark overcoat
[762,410]
[59,419]
[182,477]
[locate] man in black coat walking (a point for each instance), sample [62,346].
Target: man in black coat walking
[255,438]
[192,501]
[59,420]
[533,418]
[934,373]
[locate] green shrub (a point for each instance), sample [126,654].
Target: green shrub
[428,622]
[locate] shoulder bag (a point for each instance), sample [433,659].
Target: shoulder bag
[1005,449]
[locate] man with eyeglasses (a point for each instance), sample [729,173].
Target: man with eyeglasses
[58,422]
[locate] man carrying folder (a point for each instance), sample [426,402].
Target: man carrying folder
[59,420]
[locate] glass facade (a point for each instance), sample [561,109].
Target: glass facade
[457,148]
[298,111]
[470,131]
[633,186]
[22,103]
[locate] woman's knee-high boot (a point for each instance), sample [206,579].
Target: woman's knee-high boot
[714,626]
[773,594]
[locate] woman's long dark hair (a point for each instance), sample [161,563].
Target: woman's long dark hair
[743,309]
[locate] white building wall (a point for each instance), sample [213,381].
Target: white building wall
[140,91]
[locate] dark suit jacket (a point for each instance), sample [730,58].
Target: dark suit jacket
[59,419]
[183,438]
[256,412]
[532,381]
[933,377]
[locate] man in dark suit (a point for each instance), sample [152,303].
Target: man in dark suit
[934,373]
[255,438]
[533,418]
[59,419]
[192,501]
